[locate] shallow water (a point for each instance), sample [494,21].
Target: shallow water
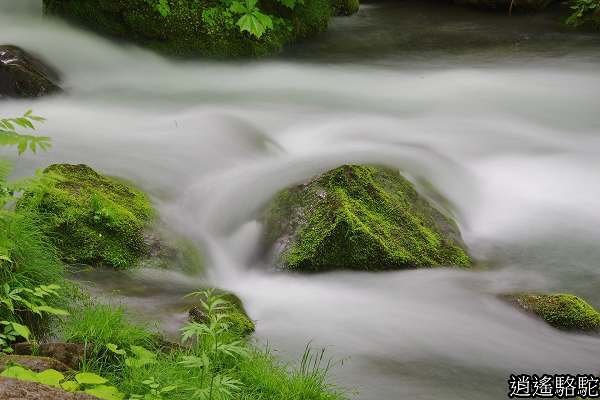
[499,114]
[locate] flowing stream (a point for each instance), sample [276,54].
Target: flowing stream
[500,114]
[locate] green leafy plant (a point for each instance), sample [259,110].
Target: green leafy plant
[10,333]
[582,11]
[84,382]
[162,6]
[9,136]
[251,18]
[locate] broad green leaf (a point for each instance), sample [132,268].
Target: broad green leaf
[21,330]
[106,392]
[70,386]
[88,378]
[18,372]
[252,24]
[52,310]
[50,377]
[239,8]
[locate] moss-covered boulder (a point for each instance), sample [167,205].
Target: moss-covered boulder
[91,218]
[23,75]
[345,7]
[562,311]
[234,311]
[361,218]
[507,5]
[196,27]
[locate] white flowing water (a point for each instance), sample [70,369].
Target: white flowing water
[501,115]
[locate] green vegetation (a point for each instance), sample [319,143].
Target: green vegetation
[361,217]
[345,7]
[83,382]
[31,273]
[563,311]
[227,304]
[214,28]
[585,12]
[92,219]
[215,361]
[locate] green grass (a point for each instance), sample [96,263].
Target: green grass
[99,325]
[218,362]
[28,261]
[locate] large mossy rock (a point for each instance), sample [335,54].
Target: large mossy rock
[507,5]
[562,311]
[192,27]
[361,218]
[91,218]
[23,75]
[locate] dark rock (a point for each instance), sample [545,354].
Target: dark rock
[34,363]
[23,75]
[70,354]
[13,389]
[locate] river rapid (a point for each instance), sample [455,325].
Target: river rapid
[500,114]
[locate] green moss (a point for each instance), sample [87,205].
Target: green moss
[92,219]
[563,311]
[185,32]
[345,7]
[361,217]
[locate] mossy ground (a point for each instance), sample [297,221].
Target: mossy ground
[563,311]
[92,219]
[361,217]
[184,32]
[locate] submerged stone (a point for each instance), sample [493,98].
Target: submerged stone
[22,75]
[562,311]
[91,218]
[194,28]
[361,218]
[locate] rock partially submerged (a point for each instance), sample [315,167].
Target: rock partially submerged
[360,218]
[562,311]
[23,75]
[92,219]
[13,389]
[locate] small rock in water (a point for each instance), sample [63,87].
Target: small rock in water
[23,75]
